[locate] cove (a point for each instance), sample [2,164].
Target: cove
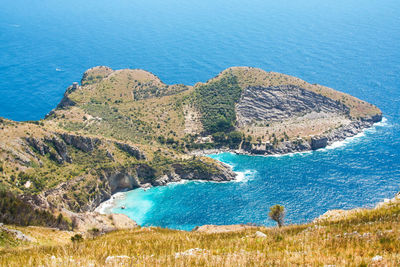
[346,175]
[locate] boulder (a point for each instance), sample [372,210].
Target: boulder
[260,234]
[319,142]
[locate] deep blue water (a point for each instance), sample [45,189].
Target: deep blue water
[350,45]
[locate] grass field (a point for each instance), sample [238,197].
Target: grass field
[356,238]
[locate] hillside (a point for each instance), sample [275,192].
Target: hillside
[124,129]
[358,237]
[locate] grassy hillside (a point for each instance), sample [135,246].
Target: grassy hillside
[357,238]
[13,210]
[134,105]
[76,175]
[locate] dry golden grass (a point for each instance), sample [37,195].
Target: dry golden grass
[352,241]
[110,108]
[294,127]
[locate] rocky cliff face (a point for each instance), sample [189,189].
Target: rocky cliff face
[314,142]
[112,180]
[83,143]
[312,120]
[223,174]
[131,150]
[278,103]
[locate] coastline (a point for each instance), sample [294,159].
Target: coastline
[333,141]
[106,206]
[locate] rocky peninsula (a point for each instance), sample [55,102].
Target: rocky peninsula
[125,129]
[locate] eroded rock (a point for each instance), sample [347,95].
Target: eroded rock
[84,143]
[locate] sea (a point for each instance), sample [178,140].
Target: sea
[349,45]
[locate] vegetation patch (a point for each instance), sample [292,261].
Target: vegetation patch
[15,211]
[216,102]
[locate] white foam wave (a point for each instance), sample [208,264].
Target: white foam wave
[301,153]
[58,69]
[382,123]
[244,176]
[345,141]
[108,205]
[180,182]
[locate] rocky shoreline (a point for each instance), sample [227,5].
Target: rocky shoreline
[341,134]
[299,145]
[124,180]
[179,175]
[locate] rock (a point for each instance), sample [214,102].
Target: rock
[316,142]
[17,234]
[260,234]
[28,184]
[36,200]
[374,118]
[319,142]
[191,252]
[218,173]
[121,180]
[110,155]
[38,145]
[167,178]
[121,221]
[56,157]
[281,102]
[132,151]
[104,223]
[64,103]
[145,173]
[61,149]
[377,258]
[146,186]
[119,260]
[86,144]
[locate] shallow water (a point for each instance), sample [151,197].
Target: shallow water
[349,45]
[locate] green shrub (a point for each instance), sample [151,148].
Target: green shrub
[77,238]
[13,210]
[277,213]
[216,102]
[232,139]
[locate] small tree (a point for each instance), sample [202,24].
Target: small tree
[277,213]
[77,238]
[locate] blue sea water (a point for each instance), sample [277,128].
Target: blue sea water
[349,45]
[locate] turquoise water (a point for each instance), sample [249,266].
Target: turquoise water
[352,174]
[350,45]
